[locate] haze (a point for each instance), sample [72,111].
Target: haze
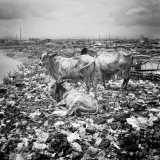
[79,18]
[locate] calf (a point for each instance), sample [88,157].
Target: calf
[74,100]
[70,68]
[56,90]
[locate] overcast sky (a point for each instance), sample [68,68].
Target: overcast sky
[79,18]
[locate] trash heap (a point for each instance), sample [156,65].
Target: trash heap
[126,127]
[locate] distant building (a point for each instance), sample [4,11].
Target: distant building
[143,40]
[45,41]
[37,40]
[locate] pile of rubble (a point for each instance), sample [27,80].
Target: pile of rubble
[126,126]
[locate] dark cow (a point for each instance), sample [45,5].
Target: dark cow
[74,100]
[84,51]
[70,68]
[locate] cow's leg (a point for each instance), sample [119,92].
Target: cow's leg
[56,97]
[85,110]
[126,82]
[120,75]
[87,82]
[104,84]
[72,107]
[126,76]
[103,79]
[94,83]
[93,80]
[72,110]
[76,106]
[62,103]
[124,79]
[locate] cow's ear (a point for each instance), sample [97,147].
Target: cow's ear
[49,52]
[53,55]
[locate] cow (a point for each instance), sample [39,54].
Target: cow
[61,68]
[74,100]
[109,63]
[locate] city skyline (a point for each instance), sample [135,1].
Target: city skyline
[79,19]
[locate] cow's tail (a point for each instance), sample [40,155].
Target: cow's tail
[95,54]
[131,64]
[85,69]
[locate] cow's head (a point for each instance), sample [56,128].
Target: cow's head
[92,52]
[56,90]
[44,59]
[125,52]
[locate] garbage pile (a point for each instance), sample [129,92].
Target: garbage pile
[126,126]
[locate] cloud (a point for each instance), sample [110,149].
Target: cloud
[11,10]
[107,21]
[5,30]
[137,11]
[84,16]
[77,17]
[53,15]
[18,9]
[148,15]
[152,20]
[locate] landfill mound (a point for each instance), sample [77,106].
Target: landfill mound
[125,128]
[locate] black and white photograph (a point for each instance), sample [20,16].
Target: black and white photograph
[80,79]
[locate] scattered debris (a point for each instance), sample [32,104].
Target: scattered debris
[126,126]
